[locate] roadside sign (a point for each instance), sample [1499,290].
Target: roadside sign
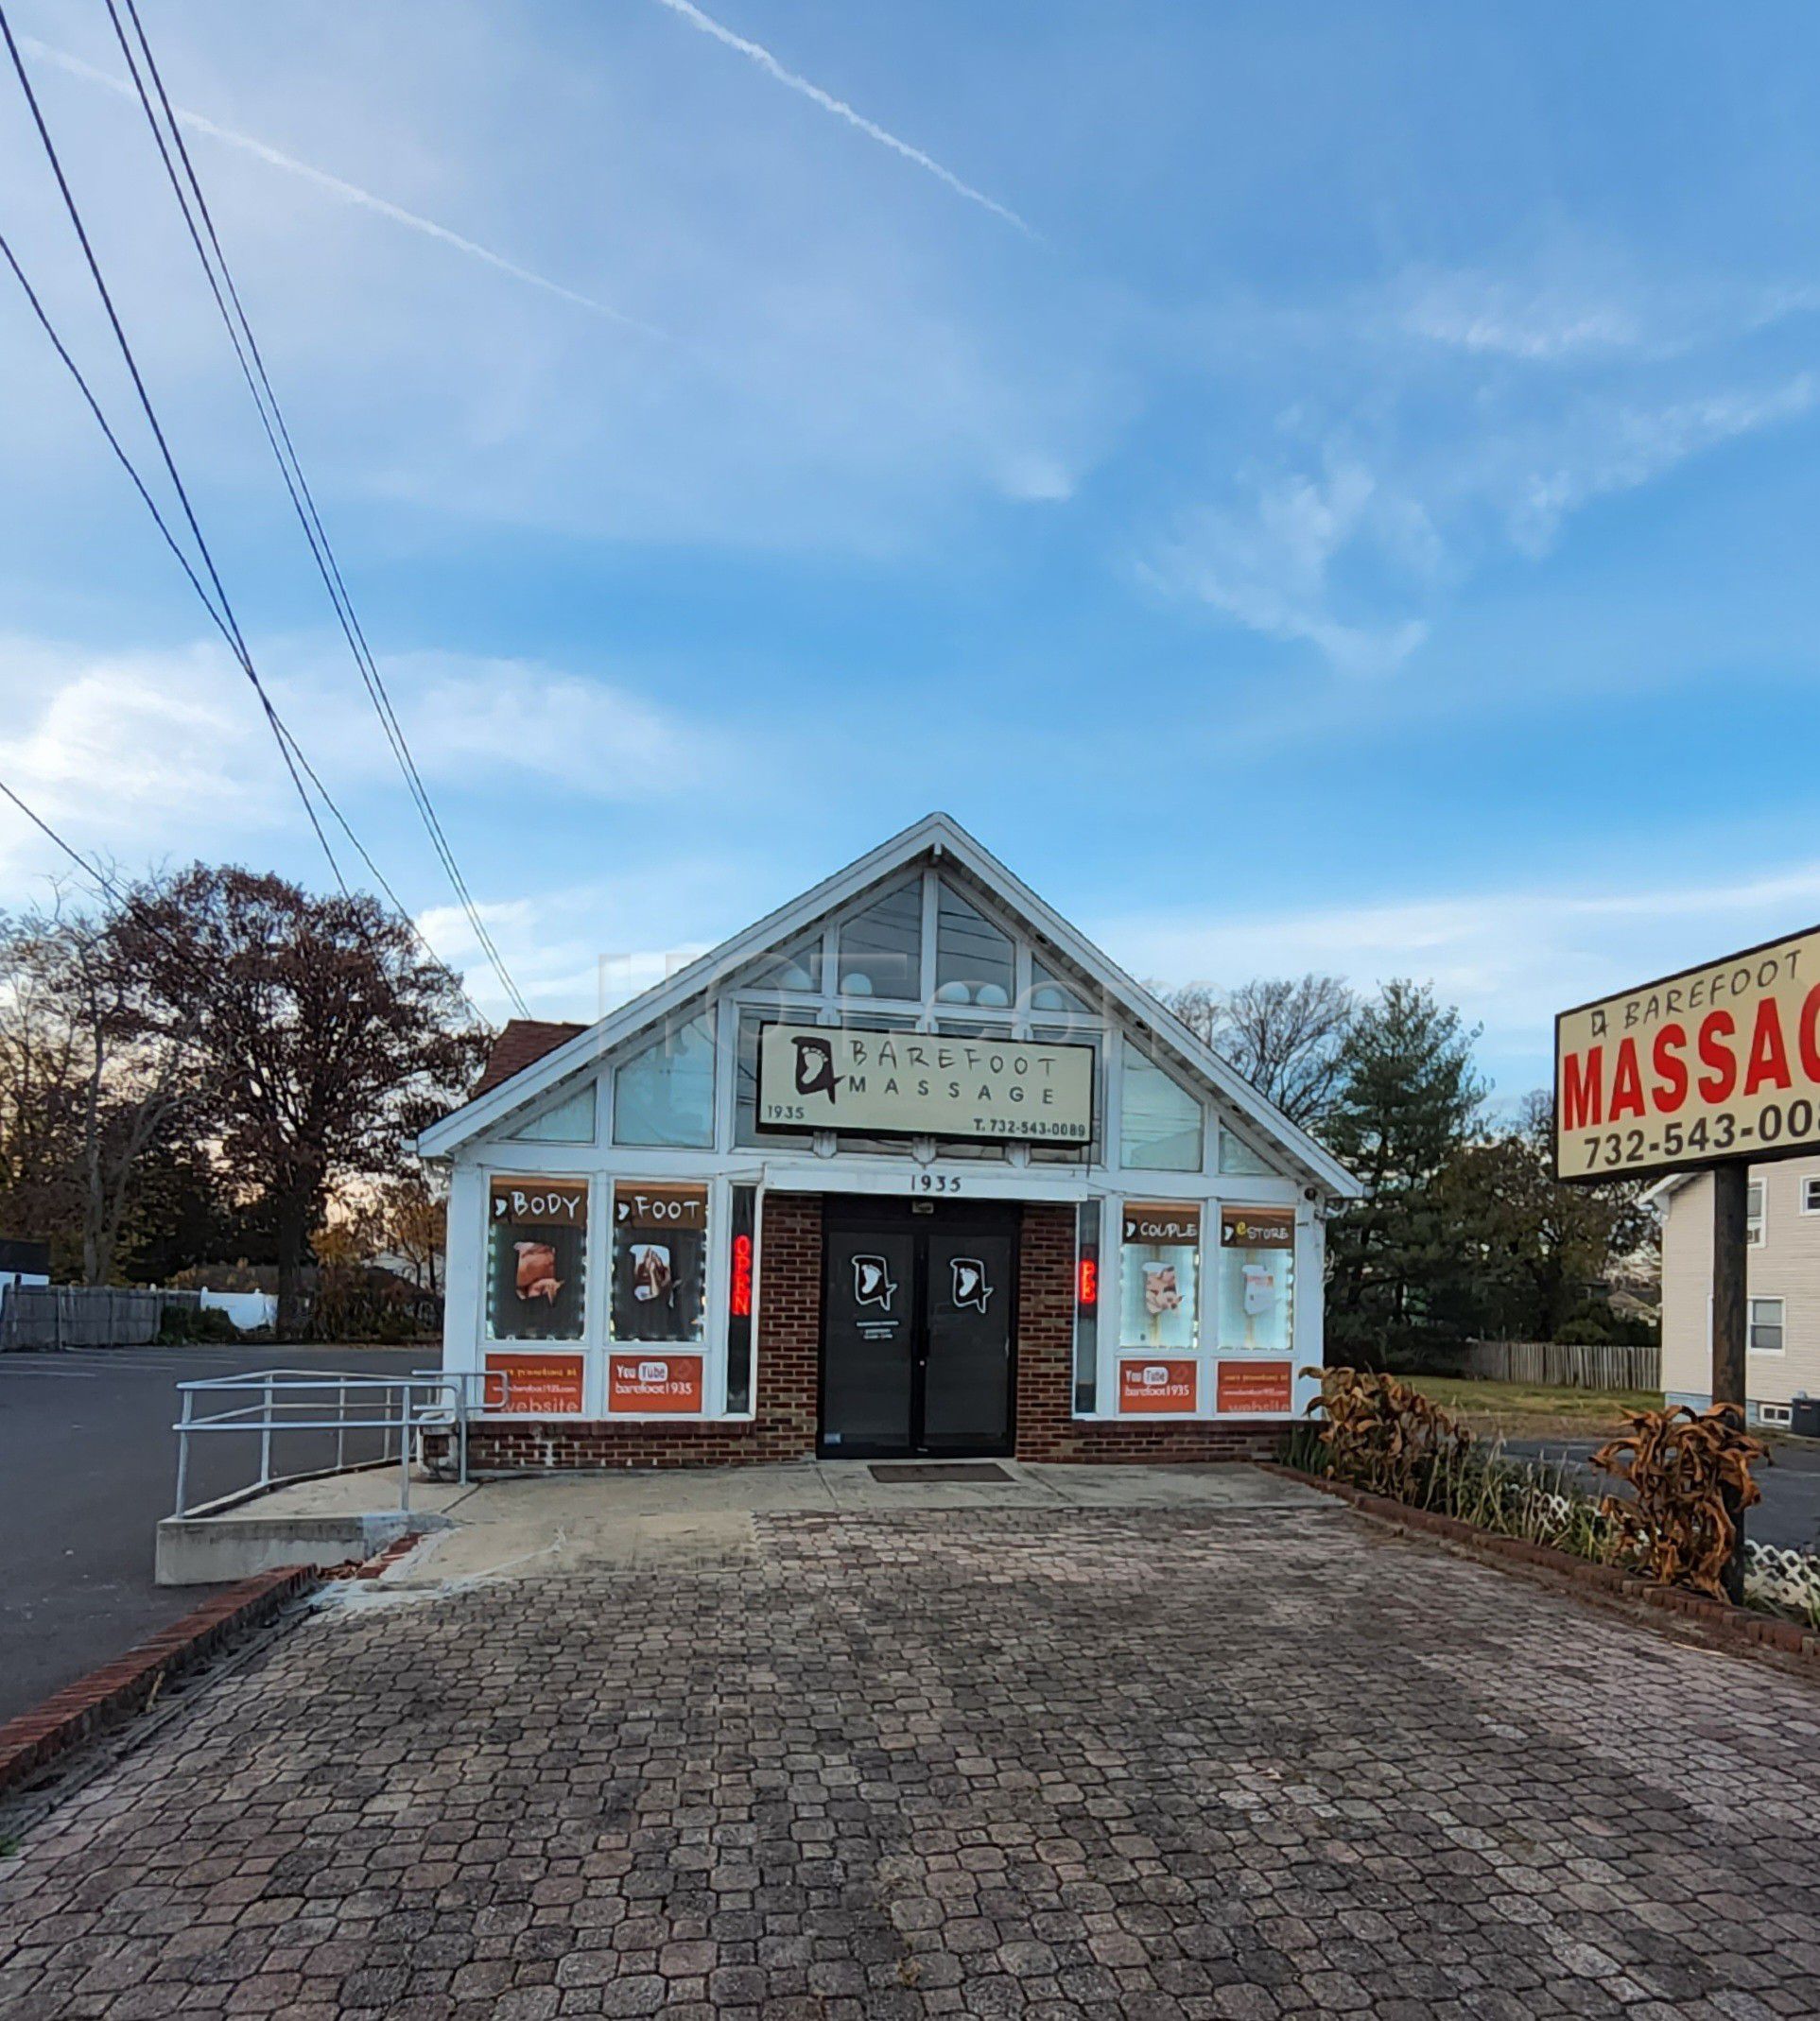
[1710,1064]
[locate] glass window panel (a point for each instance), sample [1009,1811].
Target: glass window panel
[1050,995]
[1160,1130]
[741,1280]
[664,1095]
[1236,1156]
[1086,1308]
[537,1239]
[1159,1276]
[975,963]
[745,1094]
[881,948]
[660,1260]
[798,970]
[569,1122]
[1766,1326]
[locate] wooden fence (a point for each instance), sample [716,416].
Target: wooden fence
[1563,1365]
[42,1316]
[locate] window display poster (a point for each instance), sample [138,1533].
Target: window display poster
[1257,1258]
[660,1256]
[537,1237]
[1159,1275]
[1244,1387]
[647,1383]
[1170,1386]
[538,1386]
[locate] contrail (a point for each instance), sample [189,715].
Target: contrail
[348,192]
[758,54]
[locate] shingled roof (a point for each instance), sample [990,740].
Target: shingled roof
[522,1040]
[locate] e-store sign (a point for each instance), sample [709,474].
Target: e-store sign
[917,1083]
[1717,1063]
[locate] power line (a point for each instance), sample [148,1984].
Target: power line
[277,432]
[171,541]
[164,446]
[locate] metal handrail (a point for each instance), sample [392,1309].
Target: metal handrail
[288,1400]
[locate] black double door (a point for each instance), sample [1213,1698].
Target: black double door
[917,1326]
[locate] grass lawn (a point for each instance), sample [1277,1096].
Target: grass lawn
[1520,1410]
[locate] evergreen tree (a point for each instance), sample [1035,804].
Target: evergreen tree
[1408,1101]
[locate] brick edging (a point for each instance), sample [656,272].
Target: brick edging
[1736,1627]
[117,1691]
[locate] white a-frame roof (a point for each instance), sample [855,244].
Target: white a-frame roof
[941,837]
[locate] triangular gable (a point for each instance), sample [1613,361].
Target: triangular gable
[941,837]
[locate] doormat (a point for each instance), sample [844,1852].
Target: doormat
[918,1470]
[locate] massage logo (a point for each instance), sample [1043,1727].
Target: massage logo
[872,1282]
[815,1066]
[969,1283]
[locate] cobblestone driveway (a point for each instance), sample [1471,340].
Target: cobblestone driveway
[1097,1763]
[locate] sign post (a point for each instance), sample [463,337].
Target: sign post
[1730,1322]
[1714,1069]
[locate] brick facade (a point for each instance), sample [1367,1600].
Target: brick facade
[788,1348]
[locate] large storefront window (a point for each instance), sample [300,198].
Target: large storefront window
[664,1095]
[1256,1268]
[660,1260]
[1159,1275]
[537,1241]
[1161,1128]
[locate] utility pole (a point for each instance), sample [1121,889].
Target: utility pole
[1730,1322]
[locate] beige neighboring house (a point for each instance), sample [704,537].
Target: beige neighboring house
[1783,1274]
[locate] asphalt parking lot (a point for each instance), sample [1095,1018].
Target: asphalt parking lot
[87,1467]
[1788,1515]
[1085,1764]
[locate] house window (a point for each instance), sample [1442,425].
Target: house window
[975,963]
[569,1122]
[1160,1127]
[1766,1326]
[660,1260]
[664,1095]
[1811,1196]
[1754,1215]
[799,971]
[881,948]
[537,1236]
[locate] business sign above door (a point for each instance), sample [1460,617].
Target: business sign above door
[919,1083]
[1718,1062]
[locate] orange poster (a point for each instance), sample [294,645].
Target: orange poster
[1171,1386]
[1254,1386]
[541,1386]
[653,1382]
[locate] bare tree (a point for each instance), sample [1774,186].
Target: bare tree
[89,1077]
[1285,1037]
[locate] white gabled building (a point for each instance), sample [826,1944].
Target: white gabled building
[907,1168]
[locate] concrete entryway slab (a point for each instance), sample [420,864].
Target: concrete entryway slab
[502,1528]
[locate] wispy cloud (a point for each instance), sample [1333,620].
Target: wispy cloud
[345,192]
[1269,567]
[1620,451]
[792,80]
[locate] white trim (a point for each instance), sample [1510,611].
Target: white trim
[940,836]
[1808,1180]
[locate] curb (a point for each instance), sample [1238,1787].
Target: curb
[112,1694]
[1738,1628]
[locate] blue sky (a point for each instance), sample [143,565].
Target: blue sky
[1310,486]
